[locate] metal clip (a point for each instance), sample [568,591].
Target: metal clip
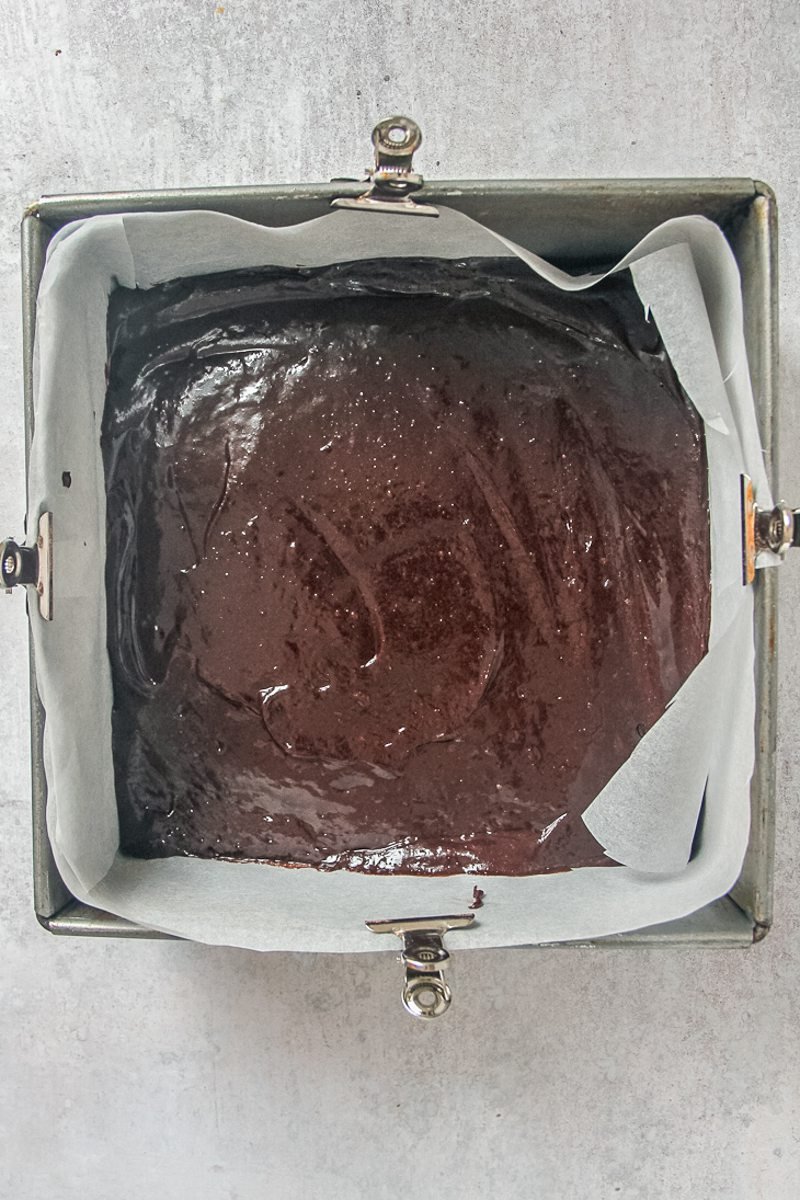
[392,180]
[425,992]
[776,529]
[31,566]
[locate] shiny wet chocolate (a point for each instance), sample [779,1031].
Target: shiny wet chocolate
[403,560]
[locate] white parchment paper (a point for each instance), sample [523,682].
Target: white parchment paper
[646,815]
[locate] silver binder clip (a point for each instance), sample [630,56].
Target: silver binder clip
[775,529]
[392,181]
[31,566]
[425,992]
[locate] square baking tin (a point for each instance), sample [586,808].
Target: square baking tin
[577,224]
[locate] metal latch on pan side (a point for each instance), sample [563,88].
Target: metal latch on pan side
[425,991]
[392,181]
[775,529]
[31,566]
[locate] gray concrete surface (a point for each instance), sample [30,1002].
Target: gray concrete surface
[165,1070]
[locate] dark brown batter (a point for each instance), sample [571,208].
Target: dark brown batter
[403,560]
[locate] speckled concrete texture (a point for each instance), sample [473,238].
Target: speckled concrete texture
[137,1070]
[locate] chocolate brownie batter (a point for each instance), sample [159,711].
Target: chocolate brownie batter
[404,557]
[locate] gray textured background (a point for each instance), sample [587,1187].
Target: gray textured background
[166,1070]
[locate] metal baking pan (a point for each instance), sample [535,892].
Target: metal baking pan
[575,223]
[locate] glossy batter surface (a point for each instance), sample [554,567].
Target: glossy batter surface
[403,559]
